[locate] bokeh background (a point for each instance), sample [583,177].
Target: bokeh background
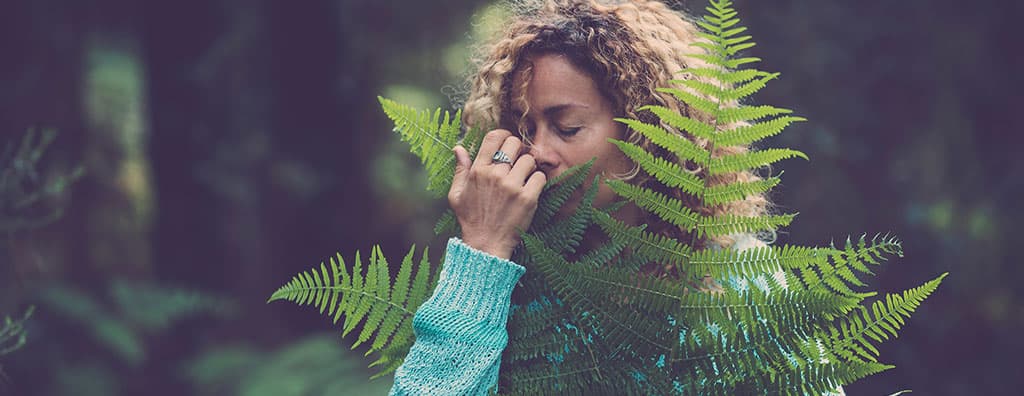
[204,151]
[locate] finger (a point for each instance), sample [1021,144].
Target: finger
[535,184]
[511,147]
[522,169]
[492,142]
[462,164]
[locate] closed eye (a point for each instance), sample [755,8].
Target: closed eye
[568,131]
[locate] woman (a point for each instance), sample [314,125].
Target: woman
[553,81]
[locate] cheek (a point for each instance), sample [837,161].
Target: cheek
[618,163]
[615,165]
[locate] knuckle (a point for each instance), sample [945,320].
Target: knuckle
[509,187]
[497,135]
[526,199]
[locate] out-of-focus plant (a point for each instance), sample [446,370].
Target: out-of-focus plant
[131,312]
[122,328]
[24,190]
[26,195]
[314,365]
[12,336]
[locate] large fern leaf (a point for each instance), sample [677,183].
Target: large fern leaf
[431,137]
[856,335]
[382,305]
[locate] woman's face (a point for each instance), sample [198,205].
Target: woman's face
[569,122]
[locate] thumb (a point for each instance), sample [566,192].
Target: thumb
[462,164]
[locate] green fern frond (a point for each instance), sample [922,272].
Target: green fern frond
[726,263]
[648,246]
[668,173]
[747,134]
[534,319]
[751,160]
[732,192]
[727,224]
[678,145]
[557,192]
[603,254]
[566,281]
[384,306]
[749,113]
[728,77]
[472,140]
[12,332]
[732,94]
[728,94]
[447,225]
[362,301]
[699,103]
[834,270]
[741,135]
[643,293]
[669,209]
[885,318]
[566,235]
[724,60]
[431,137]
[697,128]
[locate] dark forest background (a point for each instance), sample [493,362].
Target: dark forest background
[228,144]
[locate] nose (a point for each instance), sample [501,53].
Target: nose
[540,147]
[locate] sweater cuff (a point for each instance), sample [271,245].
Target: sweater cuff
[476,283]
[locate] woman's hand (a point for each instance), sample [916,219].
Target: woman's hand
[495,201]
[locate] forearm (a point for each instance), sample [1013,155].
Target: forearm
[460,330]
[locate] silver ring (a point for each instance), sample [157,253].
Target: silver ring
[500,157]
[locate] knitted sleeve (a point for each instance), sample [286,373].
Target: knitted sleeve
[460,330]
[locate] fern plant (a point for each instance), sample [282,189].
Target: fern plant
[24,189]
[794,319]
[12,337]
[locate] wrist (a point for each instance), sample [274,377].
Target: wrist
[496,249]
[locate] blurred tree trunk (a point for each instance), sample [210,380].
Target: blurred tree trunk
[260,165]
[120,202]
[214,150]
[79,72]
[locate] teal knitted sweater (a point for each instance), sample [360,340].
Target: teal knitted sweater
[461,329]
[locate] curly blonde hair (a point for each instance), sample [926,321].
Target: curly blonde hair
[630,48]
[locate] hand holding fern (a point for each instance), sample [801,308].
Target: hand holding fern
[494,202]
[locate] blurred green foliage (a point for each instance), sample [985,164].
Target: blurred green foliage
[131,311]
[101,344]
[312,365]
[27,191]
[12,337]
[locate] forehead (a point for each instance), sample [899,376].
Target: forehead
[554,81]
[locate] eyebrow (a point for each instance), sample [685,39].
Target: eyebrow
[552,110]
